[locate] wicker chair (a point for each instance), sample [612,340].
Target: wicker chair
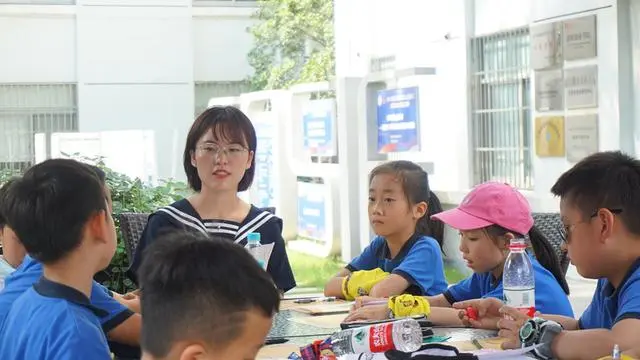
[132,225]
[550,226]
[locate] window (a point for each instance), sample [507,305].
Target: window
[500,109]
[204,91]
[30,109]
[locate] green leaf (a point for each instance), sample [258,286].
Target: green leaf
[293,43]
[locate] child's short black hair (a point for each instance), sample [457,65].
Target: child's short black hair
[195,287]
[228,123]
[608,179]
[3,193]
[49,206]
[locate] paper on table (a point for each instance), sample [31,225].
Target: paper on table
[490,354]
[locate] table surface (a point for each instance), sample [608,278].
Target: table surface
[300,334]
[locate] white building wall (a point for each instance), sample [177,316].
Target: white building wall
[414,32]
[135,61]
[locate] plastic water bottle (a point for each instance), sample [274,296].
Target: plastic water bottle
[518,280]
[403,335]
[255,249]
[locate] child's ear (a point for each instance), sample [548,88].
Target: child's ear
[98,225]
[194,352]
[505,240]
[420,210]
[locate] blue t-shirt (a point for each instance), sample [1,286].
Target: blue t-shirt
[610,305]
[31,270]
[419,262]
[51,321]
[550,298]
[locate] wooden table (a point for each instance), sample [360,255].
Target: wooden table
[302,329]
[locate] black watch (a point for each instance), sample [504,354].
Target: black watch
[540,332]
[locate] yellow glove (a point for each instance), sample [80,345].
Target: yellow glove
[360,283]
[409,305]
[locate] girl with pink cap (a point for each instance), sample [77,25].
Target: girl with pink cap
[488,218]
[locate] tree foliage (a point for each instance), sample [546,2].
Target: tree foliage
[293,43]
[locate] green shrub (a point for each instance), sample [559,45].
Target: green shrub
[129,195]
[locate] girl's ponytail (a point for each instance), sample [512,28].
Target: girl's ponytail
[430,227]
[546,256]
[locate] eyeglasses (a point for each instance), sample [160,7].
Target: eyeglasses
[230,151]
[566,230]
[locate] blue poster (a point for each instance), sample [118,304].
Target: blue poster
[318,124]
[265,176]
[311,210]
[398,118]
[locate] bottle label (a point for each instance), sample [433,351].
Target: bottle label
[375,338]
[521,299]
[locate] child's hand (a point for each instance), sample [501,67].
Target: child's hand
[510,323]
[371,312]
[480,313]
[362,300]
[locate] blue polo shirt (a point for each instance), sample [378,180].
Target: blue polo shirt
[419,262]
[550,298]
[51,321]
[610,305]
[31,270]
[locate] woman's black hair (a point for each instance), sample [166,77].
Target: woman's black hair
[542,249]
[415,185]
[228,123]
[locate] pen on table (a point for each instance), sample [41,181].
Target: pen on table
[311,300]
[616,352]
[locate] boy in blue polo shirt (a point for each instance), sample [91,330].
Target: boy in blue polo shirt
[600,208]
[122,325]
[204,298]
[59,211]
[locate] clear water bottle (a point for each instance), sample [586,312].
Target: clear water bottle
[255,249]
[403,335]
[518,279]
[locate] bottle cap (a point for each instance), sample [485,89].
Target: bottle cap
[253,237]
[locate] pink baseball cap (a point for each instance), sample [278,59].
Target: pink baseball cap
[490,203]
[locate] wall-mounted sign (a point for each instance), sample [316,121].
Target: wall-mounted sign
[398,120]
[266,176]
[548,91]
[318,128]
[549,136]
[581,136]
[312,218]
[546,45]
[581,87]
[579,38]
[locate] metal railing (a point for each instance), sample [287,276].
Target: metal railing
[30,109]
[501,125]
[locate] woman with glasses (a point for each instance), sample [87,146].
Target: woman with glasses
[219,161]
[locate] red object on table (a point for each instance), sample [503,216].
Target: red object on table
[531,312]
[472,313]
